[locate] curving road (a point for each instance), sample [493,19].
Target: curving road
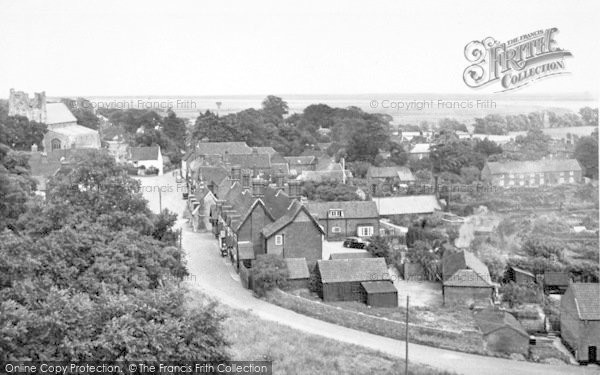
[212,275]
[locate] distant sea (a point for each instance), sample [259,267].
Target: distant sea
[404,108]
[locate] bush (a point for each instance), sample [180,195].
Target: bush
[152,170]
[269,271]
[380,248]
[516,294]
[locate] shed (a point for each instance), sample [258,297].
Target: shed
[519,275]
[556,282]
[340,279]
[298,274]
[380,293]
[502,332]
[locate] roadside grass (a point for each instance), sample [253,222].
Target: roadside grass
[295,352]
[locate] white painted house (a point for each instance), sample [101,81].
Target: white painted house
[147,157]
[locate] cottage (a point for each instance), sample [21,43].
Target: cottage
[382,179]
[296,234]
[298,273]
[407,205]
[199,205]
[502,332]
[380,293]
[147,157]
[466,280]
[344,219]
[580,321]
[340,280]
[519,276]
[556,282]
[532,173]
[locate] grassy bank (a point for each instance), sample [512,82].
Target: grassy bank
[296,352]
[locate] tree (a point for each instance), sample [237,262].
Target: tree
[19,133]
[269,271]
[586,152]
[589,116]
[398,155]
[487,147]
[275,107]
[379,247]
[516,294]
[174,128]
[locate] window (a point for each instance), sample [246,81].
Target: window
[365,231]
[279,240]
[336,230]
[336,213]
[501,182]
[55,144]
[571,173]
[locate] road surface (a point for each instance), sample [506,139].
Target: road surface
[213,275]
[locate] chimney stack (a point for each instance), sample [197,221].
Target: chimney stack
[294,189]
[246,179]
[279,180]
[236,173]
[258,187]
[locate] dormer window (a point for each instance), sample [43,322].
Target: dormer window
[336,213]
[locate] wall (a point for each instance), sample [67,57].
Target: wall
[466,295]
[301,239]
[382,300]
[348,291]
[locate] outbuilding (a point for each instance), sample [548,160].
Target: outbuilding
[340,279]
[380,293]
[502,332]
[298,274]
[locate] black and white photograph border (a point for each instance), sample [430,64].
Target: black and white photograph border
[331,187]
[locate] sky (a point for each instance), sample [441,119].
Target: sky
[78,48]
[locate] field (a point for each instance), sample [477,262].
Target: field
[296,352]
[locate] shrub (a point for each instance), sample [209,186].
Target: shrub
[269,271]
[380,248]
[152,170]
[516,294]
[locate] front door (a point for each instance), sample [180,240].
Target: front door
[593,354]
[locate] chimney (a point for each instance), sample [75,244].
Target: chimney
[236,173]
[246,179]
[258,187]
[294,189]
[279,180]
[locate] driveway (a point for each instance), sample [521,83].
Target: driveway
[212,275]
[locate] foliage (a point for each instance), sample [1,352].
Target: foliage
[379,247]
[586,152]
[454,155]
[329,191]
[82,109]
[90,273]
[268,271]
[20,134]
[542,247]
[517,294]
[487,147]
[422,253]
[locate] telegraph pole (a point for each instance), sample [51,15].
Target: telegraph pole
[159,201]
[406,340]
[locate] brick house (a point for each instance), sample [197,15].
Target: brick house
[580,321]
[466,280]
[381,179]
[502,332]
[532,173]
[343,219]
[340,280]
[296,234]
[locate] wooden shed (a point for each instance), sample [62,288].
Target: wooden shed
[380,293]
[340,279]
[556,282]
[519,275]
[298,274]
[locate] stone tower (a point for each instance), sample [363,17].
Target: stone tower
[19,104]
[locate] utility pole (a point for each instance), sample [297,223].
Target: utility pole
[159,201]
[406,340]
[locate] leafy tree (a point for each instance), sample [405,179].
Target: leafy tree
[269,271]
[329,191]
[398,155]
[586,152]
[516,294]
[452,125]
[487,147]
[275,107]
[379,247]
[19,133]
[589,116]
[174,128]
[422,253]
[542,247]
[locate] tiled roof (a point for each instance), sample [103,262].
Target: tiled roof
[373,287]
[464,269]
[587,298]
[492,320]
[388,172]
[58,113]
[520,270]
[410,204]
[222,148]
[300,160]
[318,176]
[350,209]
[556,278]
[210,174]
[288,218]
[538,166]
[249,160]
[348,270]
[350,255]
[297,268]
[265,150]
[144,153]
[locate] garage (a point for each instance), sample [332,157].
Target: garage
[380,293]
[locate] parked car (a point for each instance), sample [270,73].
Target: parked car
[355,243]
